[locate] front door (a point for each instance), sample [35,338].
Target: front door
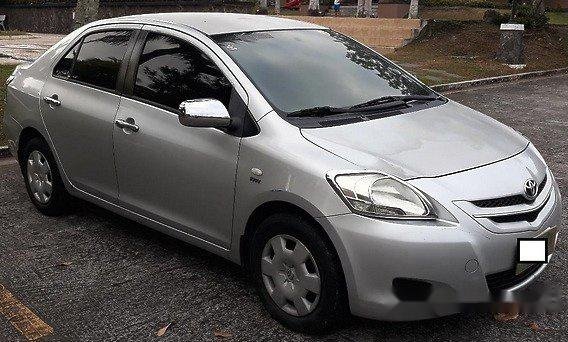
[79,103]
[180,176]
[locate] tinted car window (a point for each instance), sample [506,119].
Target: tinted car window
[299,69]
[100,57]
[171,71]
[63,67]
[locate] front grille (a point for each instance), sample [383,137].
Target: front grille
[507,279]
[528,217]
[508,200]
[501,202]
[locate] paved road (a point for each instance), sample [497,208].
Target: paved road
[95,276]
[25,47]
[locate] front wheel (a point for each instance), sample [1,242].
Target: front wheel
[43,183]
[298,274]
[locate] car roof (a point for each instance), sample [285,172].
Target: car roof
[222,23]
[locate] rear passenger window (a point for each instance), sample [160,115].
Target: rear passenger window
[100,57]
[63,68]
[171,71]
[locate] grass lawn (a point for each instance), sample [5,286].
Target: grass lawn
[12,33]
[558,18]
[456,13]
[451,51]
[5,71]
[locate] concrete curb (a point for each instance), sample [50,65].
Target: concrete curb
[5,152]
[499,79]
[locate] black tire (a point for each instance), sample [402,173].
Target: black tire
[332,305]
[59,200]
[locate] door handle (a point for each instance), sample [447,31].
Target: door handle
[127,124]
[52,100]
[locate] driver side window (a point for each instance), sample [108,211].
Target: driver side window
[171,71]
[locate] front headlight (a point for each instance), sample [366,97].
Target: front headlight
[378,195]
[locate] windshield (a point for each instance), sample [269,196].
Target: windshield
[301,69]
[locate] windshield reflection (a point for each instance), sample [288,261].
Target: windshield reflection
[299,69]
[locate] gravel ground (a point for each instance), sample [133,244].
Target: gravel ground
[25,47]
[95,276]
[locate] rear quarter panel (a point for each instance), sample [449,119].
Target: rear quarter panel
[23,93]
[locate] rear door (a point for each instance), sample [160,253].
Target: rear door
[180,176]
[79,102]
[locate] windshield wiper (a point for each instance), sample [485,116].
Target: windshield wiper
[382,103]
[317,111]
[391,101]
[327,111]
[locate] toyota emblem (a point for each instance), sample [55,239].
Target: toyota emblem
[530,189]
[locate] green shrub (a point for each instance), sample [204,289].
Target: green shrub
[530,17]
[464,3]
[526,14]
[494,17]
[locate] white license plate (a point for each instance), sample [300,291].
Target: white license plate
[532,250]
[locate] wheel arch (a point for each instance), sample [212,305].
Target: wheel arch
[25,136]
[269,208]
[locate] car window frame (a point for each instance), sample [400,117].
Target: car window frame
[67,51]
[135,28]
[186,37]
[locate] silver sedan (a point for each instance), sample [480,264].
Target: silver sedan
[338,179]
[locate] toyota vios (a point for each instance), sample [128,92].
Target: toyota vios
[339,180]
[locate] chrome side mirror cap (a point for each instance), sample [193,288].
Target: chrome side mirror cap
[204,113]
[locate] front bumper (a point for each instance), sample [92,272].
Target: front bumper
[454,258]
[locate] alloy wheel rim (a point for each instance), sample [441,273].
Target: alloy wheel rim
[39,177]
[291,275]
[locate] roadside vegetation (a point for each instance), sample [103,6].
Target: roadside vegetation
[465,3]
[452,51]
[558,18]
[457,13]
[12,33]
[5,71]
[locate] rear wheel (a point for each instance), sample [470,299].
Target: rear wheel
[43,183]
[298,274]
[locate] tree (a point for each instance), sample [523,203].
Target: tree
[514,9]
[413,11]
[368,7]
[539,6]
[277,6]
[86,11]
[364,8]
[314,7]
[360,7]
[531,13]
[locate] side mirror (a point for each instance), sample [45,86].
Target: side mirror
[204,113]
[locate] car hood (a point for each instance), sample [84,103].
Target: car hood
[427,143]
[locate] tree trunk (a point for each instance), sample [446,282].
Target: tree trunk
[262,7]
[314,5]
[514,8]
[277,6]
[360,7]
[368,7]
[313,8]
[86,11]
[539,6]
[413,11]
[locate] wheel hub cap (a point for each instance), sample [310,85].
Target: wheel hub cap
[39,177]
[290,275]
